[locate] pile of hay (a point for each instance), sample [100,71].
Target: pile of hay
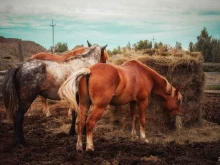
[185,71]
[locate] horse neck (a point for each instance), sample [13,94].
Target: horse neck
[73,53]
[160,84]
[86,60]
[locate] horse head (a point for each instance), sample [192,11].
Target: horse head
[104,54]
[173,105]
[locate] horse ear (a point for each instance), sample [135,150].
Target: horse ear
[177,89]
[103,47]
[89,44]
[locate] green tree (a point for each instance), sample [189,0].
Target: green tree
[143,44]
[128,46]
[204,45]
[117,50]
[191,47]
[208,46]
[156,45]
[178,46]
[160,44]
[61,47]
[215,44]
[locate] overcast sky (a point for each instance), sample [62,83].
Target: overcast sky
[112,22]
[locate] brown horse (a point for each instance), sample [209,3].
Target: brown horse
[77,51]
[53,57]
[131,82]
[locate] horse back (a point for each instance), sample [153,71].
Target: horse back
[47,56]
[135,83]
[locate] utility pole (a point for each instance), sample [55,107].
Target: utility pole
[53,35]
[153,41]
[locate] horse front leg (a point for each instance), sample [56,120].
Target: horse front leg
[133,116]
[45,107]
[18,134]
[142,108]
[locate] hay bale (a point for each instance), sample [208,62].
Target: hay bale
[185,71]
[149,51]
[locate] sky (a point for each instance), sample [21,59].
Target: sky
[112,22]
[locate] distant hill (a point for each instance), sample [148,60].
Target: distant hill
[9,51]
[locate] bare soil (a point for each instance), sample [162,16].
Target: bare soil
[48,142]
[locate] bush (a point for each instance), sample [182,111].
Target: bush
[61,47]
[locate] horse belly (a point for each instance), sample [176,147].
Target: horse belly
[50,94]
[121,100]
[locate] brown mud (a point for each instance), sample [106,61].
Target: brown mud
[47,143]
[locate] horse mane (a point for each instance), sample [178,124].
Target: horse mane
[170,87]
[106,55]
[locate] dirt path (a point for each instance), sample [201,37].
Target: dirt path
[48,143]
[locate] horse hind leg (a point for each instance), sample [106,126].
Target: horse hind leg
[45,107]
[80,124]
[18,134]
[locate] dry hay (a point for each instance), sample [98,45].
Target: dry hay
[185,71]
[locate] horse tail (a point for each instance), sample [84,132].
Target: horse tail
[10,96]
[69,89]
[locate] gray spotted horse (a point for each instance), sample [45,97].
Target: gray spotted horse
[40,77]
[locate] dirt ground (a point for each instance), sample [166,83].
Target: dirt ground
[48,142]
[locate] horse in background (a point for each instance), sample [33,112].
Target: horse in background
[58,58]
[35,77]
[52,57]
[129,83]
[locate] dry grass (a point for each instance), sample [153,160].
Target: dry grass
[206,132]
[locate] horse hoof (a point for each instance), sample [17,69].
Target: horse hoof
[79,148]
[30,114]
[48,115]
[145,140]
[89,148]
[19,145]
[133,138]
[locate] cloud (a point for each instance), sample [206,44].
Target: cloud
[113,21]
[210,13]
